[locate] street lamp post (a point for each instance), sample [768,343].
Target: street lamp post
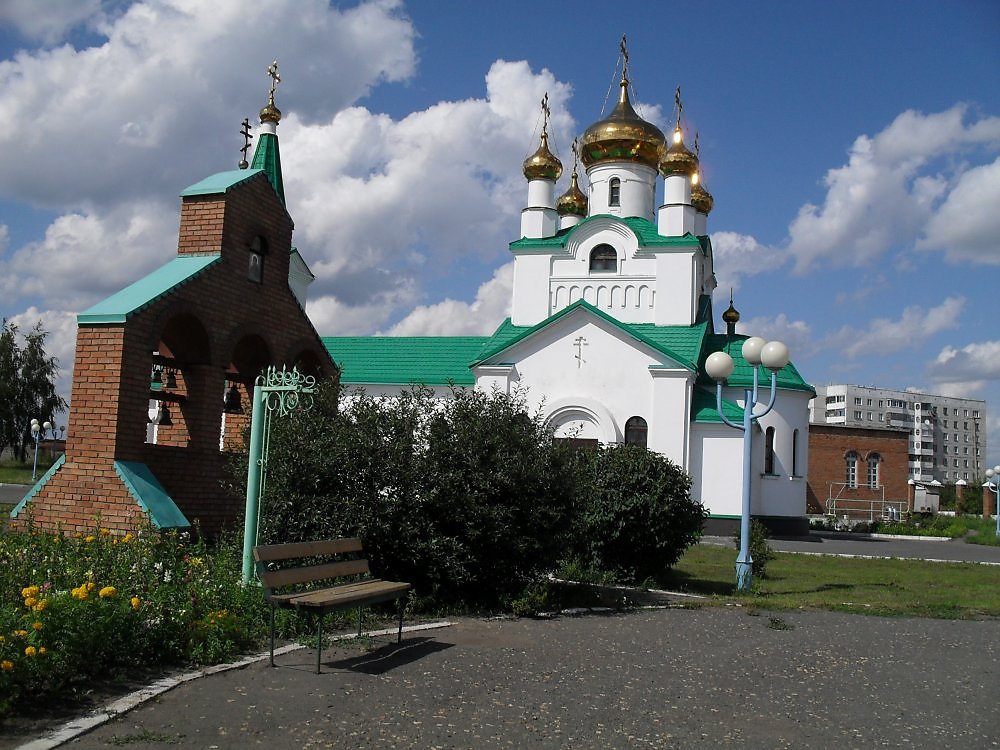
[719,366]
[37,433]
[993,484]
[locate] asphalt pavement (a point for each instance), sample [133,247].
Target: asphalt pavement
[664,678]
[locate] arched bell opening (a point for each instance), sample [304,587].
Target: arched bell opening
[250,357]
[178,382]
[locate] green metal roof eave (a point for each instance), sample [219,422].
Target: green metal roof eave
[704,408]
[580,304]
[120,305]
[220,182]
[644,230]
[404,360]
[150,495]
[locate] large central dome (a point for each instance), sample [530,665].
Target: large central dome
[622,136]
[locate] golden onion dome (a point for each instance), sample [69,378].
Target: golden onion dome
[701,199]
[677,159]
[270,113]
[622,136]
[731,316]
[573,202]
[543,164]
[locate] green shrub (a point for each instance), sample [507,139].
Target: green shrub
[638,516]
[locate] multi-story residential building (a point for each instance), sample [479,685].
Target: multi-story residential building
[947,435]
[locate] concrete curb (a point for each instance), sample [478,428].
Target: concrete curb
[73,729]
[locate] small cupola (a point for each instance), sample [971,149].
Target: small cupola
[572,205]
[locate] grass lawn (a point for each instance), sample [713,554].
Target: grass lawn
[878,587]
[12,473]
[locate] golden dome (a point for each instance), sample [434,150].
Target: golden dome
[701,199]
[543,164]
[731,316]
[677,159]
[270,113]
[573,202]
[622,136]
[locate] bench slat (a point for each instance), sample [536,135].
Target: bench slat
[372,592]
[276,579]
[275,552]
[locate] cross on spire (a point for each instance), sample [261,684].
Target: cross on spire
[624,49]
[247,137]
[272,71]
[546,112]
[680,106]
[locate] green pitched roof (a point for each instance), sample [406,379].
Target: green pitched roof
[150,495]
[704,407]
[122,304]
[268,157]
[742,377]
[221,182]
[680,343]
[405,360]
[645,232]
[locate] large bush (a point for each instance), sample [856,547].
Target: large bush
[467,498]
[638,515]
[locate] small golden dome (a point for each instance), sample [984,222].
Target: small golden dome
[270,113]
[543,164]
[701,199]
[731,315]
[573,202]
[622,136]
[677,159]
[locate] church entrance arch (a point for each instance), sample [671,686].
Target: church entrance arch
[582,419]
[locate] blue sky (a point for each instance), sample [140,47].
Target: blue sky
[853,150]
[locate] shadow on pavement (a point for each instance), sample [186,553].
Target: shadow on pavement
[390,656]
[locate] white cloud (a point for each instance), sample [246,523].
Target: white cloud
[47,20]
[736,255]
[967,225]
[796,334]
[454,318]
[976,362]
[884,336]
[886,193]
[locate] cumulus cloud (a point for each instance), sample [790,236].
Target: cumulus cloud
[967,225]
[796,334]
[884,336]
[47,21]
[975,362]
[890,189]
[736,255]
[455,318]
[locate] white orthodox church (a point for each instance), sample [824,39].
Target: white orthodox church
[611,323]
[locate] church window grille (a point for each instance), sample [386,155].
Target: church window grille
[603,259]
[614,192]
[635,432]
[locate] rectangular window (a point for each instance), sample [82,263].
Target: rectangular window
[857,415]
[975,414]
[857,401]
[871,417]
[946,411]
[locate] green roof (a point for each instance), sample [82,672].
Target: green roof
[405,360]
[268,158]
[120,305]
[704,407]
[150,495]
[680,343]
[221,182]
[645,232]
[742,377]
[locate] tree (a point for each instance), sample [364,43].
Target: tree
[27,385]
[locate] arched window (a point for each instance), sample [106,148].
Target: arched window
[635,432]
[851,464]
[769,451]
[603,259]
[614,192]
[795,453]
[873,461]
[258,249]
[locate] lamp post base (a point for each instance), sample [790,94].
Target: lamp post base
[744,574]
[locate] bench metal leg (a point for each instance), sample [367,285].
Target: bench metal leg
[272,635]
[402,606]
[359,621]
[319,641]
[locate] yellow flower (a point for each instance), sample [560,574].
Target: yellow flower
[80,592]
[36,625]
[104,532]
[91,585]
[89,539]
[41,650]
[20,633]
[40,607]
[134,601]
[108,591]
[128,537]
[29,591]
[7,665]
[30,651]
[30,602]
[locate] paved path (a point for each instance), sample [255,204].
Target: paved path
[668,678]
[861,545]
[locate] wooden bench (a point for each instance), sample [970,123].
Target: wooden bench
[289,584]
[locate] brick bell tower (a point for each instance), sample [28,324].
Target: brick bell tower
[164,368]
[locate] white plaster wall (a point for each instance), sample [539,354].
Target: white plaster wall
[540,193]
[638,189]
[784,494]
[717,468]
[539,222]
[675,285]
[530,303]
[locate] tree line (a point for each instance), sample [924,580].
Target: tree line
[27,385]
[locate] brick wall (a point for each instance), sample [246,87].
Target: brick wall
[828,448]
[218,325]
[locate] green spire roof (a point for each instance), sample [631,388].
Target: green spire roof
[268,158]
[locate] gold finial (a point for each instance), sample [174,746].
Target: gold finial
[624,48]
[546,113]
[271,113]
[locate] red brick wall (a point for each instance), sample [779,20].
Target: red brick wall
[828,447]
[199,327]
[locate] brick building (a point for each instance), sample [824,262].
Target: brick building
[857,471]
[171,350]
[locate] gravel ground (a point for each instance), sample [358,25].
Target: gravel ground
[666,678]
